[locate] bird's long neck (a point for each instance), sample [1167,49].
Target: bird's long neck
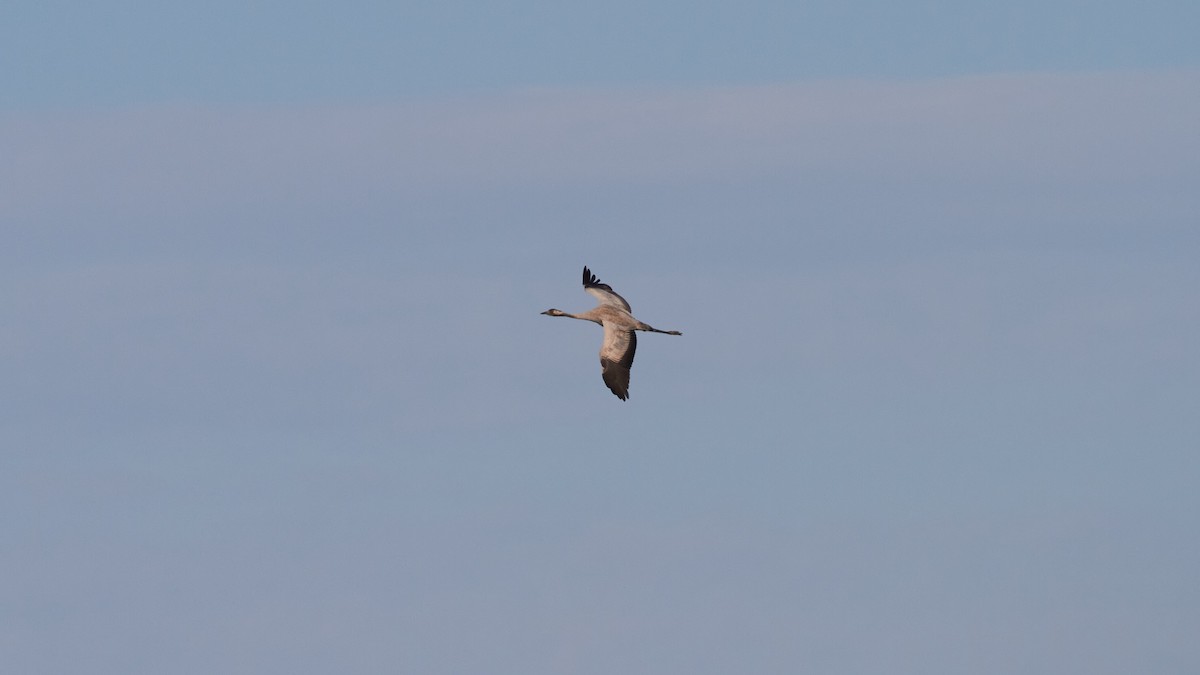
[586,316]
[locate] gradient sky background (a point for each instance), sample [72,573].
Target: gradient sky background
[277,397]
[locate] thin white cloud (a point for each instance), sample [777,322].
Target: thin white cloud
[1058,128]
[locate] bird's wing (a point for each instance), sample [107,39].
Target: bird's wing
[602,292]
[616,358]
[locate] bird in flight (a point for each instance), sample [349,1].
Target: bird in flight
[620,342]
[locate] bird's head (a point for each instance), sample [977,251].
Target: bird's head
[554,312]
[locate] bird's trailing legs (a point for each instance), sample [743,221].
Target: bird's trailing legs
[652,329]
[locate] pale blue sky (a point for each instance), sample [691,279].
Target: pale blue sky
[278,398]
[135,51]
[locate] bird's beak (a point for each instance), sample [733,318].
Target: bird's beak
[546,312]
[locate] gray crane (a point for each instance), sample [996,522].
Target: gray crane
[620,342]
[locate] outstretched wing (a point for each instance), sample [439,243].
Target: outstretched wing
[602,292]
[616,358]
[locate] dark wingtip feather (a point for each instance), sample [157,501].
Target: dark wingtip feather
[592,281]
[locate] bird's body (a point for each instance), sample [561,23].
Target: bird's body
[620,341]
